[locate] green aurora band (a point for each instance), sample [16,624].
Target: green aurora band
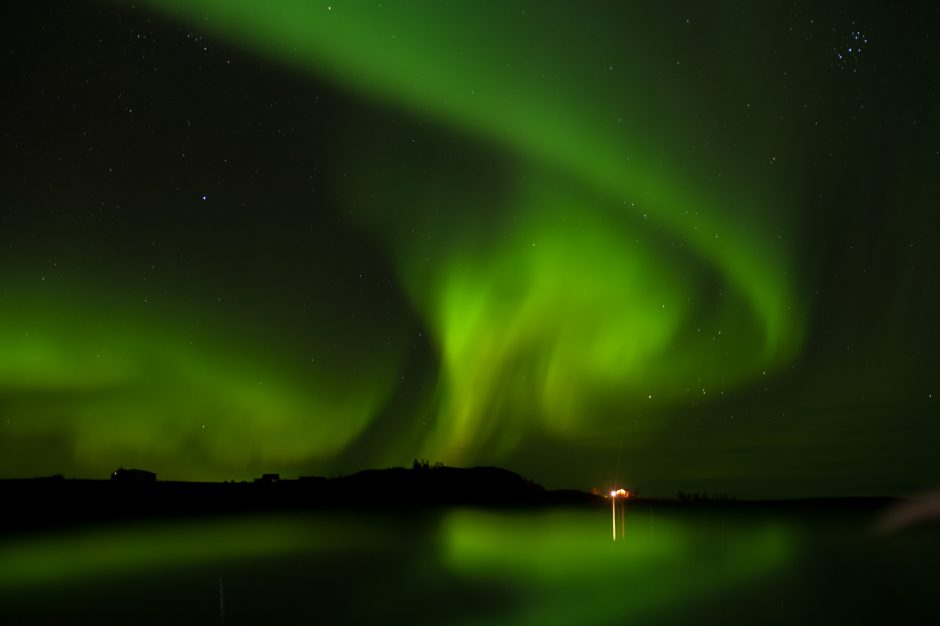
[200,402]
[584,218]
[537,322]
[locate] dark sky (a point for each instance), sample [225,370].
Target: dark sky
[679,247]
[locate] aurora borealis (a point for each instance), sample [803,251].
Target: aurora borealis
[681,247]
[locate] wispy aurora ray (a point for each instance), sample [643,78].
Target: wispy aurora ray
[619,266]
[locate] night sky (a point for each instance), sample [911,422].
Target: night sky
[672,246]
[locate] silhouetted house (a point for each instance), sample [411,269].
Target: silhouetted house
[133,476]
[268,479]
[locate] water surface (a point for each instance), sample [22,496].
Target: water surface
[468,566]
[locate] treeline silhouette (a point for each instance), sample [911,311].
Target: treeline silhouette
[424,464]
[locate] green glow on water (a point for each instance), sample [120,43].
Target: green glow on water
[567,567]
[72,557]
[700,566]
[555,567]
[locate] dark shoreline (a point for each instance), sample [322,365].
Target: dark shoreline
[54,502]
[48,503]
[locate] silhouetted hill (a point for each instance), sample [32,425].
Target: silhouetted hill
[56,501]
[442,485]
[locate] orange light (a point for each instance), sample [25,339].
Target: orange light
[613,494]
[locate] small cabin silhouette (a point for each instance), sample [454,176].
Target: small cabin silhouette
[133,476]
[268,479]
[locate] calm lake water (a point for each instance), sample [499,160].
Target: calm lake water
[476,567]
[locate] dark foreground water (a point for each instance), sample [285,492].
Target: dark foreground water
[721,566]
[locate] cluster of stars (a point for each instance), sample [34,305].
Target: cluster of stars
[848,54]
